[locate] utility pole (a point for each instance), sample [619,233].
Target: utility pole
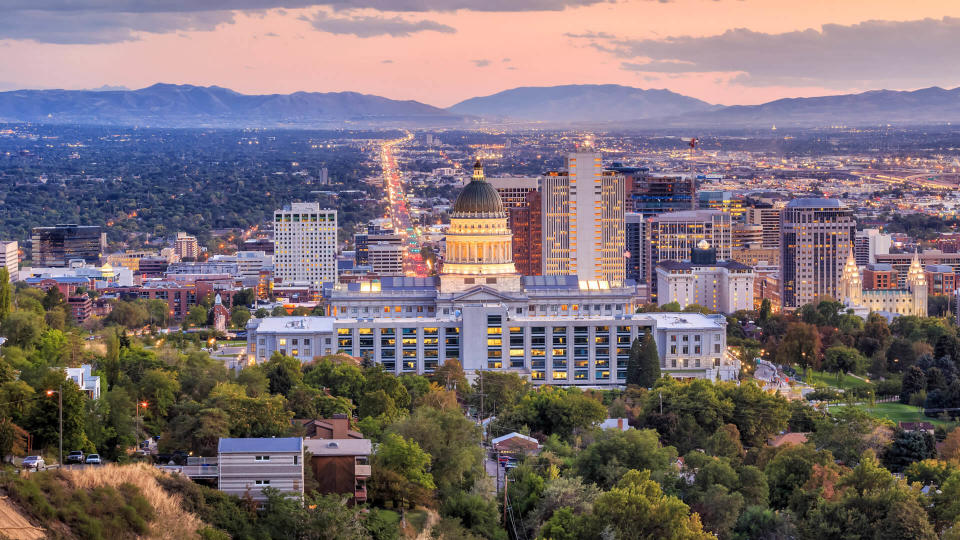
[661,402]
[60,407]
[506,482]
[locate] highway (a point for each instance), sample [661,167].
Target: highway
[398,211]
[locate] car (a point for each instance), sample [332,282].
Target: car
[93,459]
[75,456]
[34,462]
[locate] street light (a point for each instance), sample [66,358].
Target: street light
[136,438]
[60,406]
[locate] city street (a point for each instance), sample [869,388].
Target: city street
[399,212]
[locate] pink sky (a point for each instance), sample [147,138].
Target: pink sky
[277,51]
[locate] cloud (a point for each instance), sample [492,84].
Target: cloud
[590,35]
[185,6]
[375,25]
[867,54]
[90,28]
[481,63]
[386,61]
[111,21]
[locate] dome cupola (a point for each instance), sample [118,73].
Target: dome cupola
[479,198]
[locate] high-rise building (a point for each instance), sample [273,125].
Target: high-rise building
[583,223]
[657,194]
[816,236]
[57,246]
[724,201]
[868,243]
[726,286]
[768,217]
[386,259]
[513,189]
[305,244]
[747,235]
[186,246]
[672,237]
[10,259]
[635,246]
[379,231]
[526,225]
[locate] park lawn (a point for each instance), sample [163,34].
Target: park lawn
[830,379]
[900,412]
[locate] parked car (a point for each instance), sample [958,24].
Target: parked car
[34,462]
[75,456]
[93,459]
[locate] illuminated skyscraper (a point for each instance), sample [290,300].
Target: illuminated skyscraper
[306,244]
[583,220]
[816,238]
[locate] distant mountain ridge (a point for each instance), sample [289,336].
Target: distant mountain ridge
[932,105]
[171,105]
[580,103]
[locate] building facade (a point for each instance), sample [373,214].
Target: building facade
[583,220]
[911,300]
[725,287]
[57,246]
[868,243]
[635,246]
[768,217]
[186,246]
[341,465]
[305,238]
[250,465]
[672,237]
[817,235]
[526,224]
[10,259]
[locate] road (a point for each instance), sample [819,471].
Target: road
[398,210]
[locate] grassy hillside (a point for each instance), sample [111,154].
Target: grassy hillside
[110,502]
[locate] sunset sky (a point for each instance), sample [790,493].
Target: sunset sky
[442,51]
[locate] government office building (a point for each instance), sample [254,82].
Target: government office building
[482,313]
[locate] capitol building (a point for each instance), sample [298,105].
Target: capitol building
[479,311]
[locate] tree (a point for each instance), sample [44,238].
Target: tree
[452,438]
[239,315]
[261,313]
[800,345]
[21,328]
[950,450]
[615,452]
[840,359]
[790,469]
[638,508]
[914,381]
[501,391]
[476,513]
[900,355]
[6,294]
[158,311]
[643,368]
[128,314]
[262,416]
[908,447]
[725,442]
[550,410]
[760,523]
[197,316]
[401,470]
[848,433]
[283,372]
[43,421]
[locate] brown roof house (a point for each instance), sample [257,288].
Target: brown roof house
[341,465]
[517,443]
[337,427]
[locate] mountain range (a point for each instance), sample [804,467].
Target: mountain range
[169,105]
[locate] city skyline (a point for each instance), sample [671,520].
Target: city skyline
[732,52]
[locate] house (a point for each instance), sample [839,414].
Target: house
[341,465]
[516,443]
[619,424]
[84,378]
[249,465]
[337,427]
[788,438]
[919,427]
